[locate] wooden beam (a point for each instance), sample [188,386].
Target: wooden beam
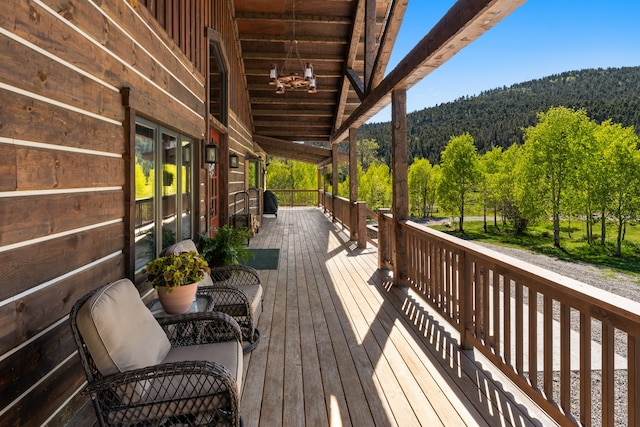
[463,23]
[291,150]
[351,57]
[396,15]
[278,56]
[245,37]
[282,113]
[356,83]
[288,17]
[370,42]
[399,168]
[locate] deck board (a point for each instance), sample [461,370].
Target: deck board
[341,347]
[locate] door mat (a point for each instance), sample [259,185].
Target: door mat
[264,259]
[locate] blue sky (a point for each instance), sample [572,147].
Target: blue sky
[542,37]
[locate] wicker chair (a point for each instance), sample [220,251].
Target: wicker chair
[246,280]
[236,290]
[178,370]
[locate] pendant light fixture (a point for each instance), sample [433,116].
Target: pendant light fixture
[286,79]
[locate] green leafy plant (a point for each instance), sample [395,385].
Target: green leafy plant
[226,247]
[173,271]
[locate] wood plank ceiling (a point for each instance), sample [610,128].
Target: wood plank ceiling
[349,43]
[330,35]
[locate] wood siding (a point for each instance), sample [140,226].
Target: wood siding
[65,165]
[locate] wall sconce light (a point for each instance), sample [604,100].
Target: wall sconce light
[211,153]
[233,161]
[186,154]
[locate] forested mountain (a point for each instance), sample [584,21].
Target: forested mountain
[496,117]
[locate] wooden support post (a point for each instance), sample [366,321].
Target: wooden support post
[353,183]
[399,167]
[361,213]
[325,187]
[319,185]
[334,181]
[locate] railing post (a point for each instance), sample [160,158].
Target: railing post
[466,301]
[383,243]
[361,224]
[400,204]
[353,220]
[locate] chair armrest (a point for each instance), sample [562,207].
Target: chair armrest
[225,295]
[164,382]
[200,328]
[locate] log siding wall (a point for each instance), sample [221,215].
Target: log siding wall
[65,166]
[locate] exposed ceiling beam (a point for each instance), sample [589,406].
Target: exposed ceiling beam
[356,83]
[286,17]
[291,150]
[284,113]
[271,56]
[463,23]
[370,42]
[280,99]
[388,39]
[287,38]
[351,57]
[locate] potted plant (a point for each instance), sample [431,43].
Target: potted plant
[226,247]
[176,278]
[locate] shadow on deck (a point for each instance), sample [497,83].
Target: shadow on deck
[342,346]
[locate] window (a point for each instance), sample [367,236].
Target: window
[164,190]
[217,78]
[254,174]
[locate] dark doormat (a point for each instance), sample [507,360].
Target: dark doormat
[264,259]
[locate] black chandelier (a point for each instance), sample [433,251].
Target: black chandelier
[287,79]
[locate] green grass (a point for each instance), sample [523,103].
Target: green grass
[574,246]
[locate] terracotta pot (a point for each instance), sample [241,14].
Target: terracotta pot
[180,298]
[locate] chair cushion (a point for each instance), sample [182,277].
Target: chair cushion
[120,332]
[254,293]
[227,353]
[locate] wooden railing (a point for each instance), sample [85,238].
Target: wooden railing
[296,197]
[352,215]
[553,336]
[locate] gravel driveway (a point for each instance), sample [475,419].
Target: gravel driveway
[621,284]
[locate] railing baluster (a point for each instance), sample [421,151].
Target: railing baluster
[633,372]
[533,338]
[506,306]
[486,317]
[548,346]
[519,329]
[477,279]
[565,357]
[585,370]
[608,380]
[497,325]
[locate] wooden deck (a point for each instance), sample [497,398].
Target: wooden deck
[341,347]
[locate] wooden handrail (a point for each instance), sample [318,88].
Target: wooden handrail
[287,197]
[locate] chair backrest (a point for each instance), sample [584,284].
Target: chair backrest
[186,246]
[115,332]
[180,247]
